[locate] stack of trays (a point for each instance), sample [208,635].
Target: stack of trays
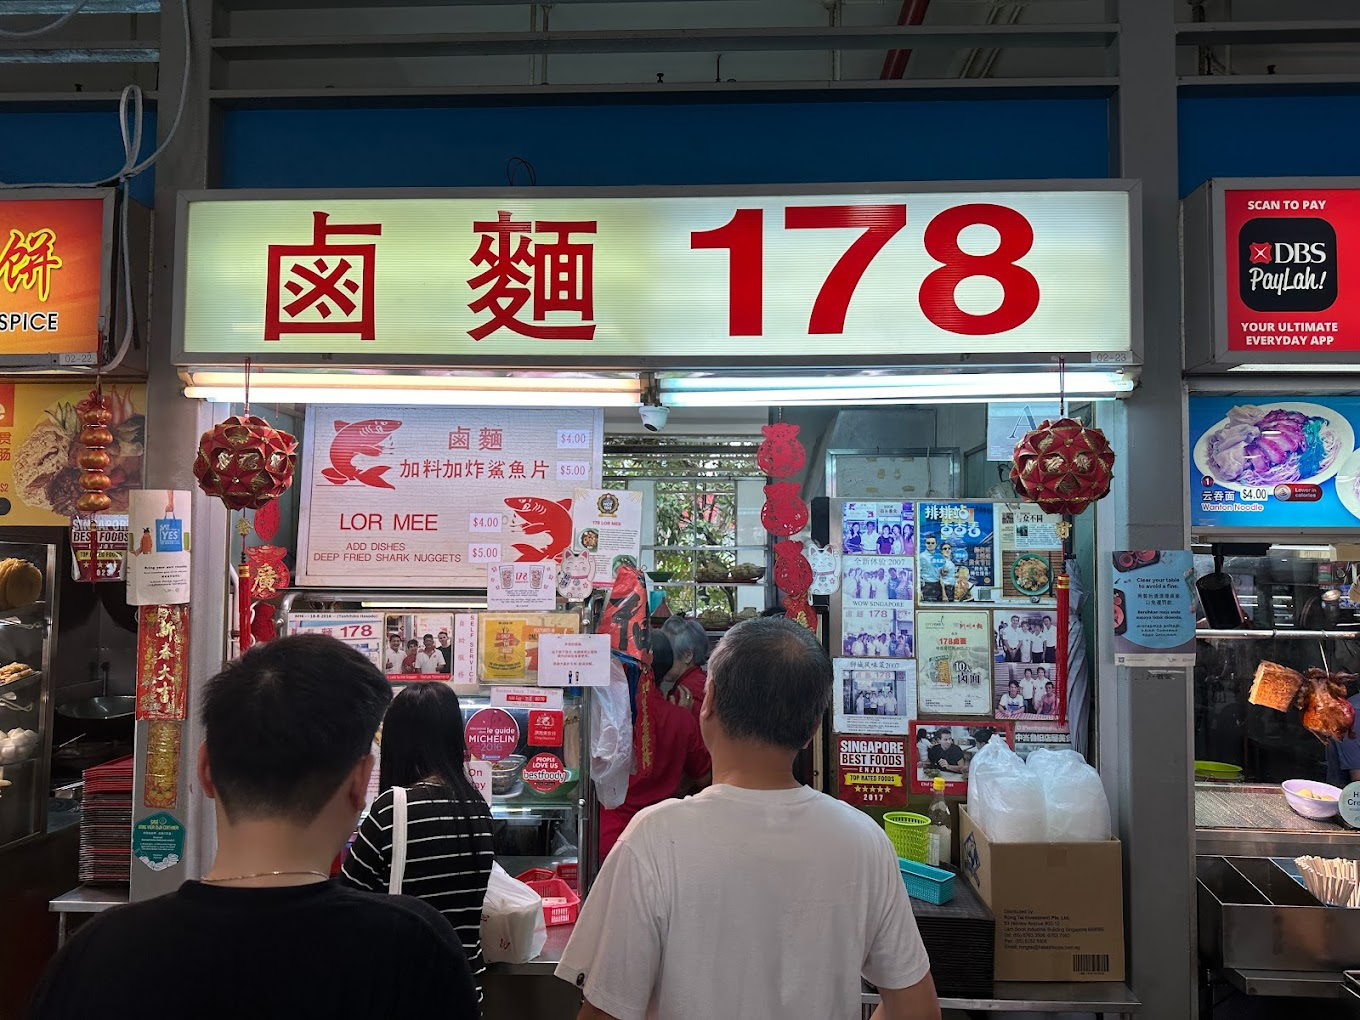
[106,824]
[959,936]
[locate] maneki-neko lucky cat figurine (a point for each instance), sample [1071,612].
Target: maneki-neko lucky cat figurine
[792,571]
[784,512]
[781,454]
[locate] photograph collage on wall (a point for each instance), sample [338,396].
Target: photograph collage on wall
[960,597]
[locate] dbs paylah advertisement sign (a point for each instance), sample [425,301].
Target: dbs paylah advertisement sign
[432,496]
[1286,262]
[588,277]
[52,280]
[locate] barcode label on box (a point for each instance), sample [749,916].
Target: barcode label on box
[1090,963]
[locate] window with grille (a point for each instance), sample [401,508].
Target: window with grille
[702,540]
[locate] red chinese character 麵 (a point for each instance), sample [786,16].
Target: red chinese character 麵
[558,275]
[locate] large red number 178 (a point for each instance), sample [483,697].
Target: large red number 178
[743,238]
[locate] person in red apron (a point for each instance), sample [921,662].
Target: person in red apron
[667,748]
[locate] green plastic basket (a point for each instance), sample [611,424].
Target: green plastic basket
[934,885]
[909,834]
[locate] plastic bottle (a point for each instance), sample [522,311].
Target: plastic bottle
[941,838]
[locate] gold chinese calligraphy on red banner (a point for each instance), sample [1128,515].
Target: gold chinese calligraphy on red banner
[162,662]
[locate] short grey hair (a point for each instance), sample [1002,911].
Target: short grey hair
[688,635]
[771,682]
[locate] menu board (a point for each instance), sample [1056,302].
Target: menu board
[1273,463]
[431,496]
[954,664]
[954,551]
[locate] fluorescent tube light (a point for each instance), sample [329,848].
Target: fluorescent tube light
[411,389]
[1300,368]
[727,391]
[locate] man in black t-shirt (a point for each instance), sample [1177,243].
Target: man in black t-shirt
[946,756]
[287,759]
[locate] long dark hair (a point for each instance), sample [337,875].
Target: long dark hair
[422,738]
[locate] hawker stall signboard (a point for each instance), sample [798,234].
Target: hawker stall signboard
[1268,277]
[53,288]
[577,277]
[1274,464]
[432,496]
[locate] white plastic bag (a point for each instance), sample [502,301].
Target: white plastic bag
[1076,806]
[1008,797]
[611,738]
[513,927]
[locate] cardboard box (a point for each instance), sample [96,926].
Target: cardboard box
[1059,907]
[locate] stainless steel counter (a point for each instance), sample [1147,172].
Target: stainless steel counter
[1105,998]
[84,899]
[1254,821]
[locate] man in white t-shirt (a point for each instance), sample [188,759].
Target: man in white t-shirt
[758,898]
[428,659]
[394,655]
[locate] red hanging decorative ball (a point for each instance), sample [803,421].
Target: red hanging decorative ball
[1063,466]
[245,462]
[781,454]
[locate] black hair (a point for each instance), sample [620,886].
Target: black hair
[663,654]
[287,721]
[423,740]
[771,682]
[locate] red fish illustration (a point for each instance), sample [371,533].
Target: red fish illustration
[360,438]
[542,517]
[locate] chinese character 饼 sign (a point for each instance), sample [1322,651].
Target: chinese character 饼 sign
[52,278]
[612,279]
[433,496]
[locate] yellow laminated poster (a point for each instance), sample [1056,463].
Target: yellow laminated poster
[504,651]
[40,445]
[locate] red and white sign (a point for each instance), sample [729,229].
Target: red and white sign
[527,697]
[479,774]
[429,496]
[1282,259]
[545,772]
[871,770]
[612,279]
[491,734]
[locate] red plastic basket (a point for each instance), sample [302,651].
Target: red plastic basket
[536,875]
[568,872]
[561,913]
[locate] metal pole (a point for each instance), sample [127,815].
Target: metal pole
[1154,715]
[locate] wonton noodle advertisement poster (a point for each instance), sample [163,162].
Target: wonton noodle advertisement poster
[1274,462]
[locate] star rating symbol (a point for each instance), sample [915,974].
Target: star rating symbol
[1260,253]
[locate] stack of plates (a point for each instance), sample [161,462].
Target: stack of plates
[1217,772]
[106,824]
[959,936]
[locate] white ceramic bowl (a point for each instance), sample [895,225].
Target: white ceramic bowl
[1316,809]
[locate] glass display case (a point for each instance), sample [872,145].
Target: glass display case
[27,612]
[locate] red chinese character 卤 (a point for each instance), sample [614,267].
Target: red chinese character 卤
[322,287]
[460,439]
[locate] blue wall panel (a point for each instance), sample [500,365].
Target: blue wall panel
[667,143]
[70,147]
[1277,136]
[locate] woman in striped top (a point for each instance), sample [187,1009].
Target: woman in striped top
[448,841]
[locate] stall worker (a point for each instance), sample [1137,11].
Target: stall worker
[685,684]
[667,749]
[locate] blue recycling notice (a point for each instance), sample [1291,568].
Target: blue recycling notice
[1274,462]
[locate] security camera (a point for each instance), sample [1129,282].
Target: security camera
[654,416]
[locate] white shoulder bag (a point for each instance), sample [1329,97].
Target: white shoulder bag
[398,841]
